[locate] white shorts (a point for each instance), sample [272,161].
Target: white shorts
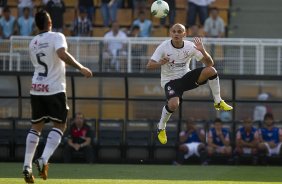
[273,151]
[192,149]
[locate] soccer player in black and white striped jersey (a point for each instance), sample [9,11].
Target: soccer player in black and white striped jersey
[48,54]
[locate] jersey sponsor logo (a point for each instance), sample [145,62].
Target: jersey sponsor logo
[173,65]
[40,87]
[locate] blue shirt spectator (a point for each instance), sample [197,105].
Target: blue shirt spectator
[26,23]
[219,140]
[216,137]
[247,136]
[269,135]
[144,24]
[7,24]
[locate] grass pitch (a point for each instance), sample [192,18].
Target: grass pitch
[10,173]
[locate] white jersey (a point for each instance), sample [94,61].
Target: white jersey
[179,59]
[49,74]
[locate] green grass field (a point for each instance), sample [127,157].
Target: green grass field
[10,173]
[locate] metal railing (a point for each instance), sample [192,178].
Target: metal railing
[231,55]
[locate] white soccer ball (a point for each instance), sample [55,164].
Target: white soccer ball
[160,9]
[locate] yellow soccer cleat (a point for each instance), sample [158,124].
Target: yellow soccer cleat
[162,136]
[222,106]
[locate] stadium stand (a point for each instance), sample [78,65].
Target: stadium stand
[138,137]
[110,140]
[6,139]
[22,126]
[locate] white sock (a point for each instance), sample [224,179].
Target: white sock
[53,141]
[164,118]
[215,88]
[32,140]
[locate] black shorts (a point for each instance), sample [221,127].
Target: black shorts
[175,88]
[49,108]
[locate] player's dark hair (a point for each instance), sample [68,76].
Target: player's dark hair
[217,120]
[41,19]
[268,115]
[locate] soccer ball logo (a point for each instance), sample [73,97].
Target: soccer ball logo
[160,9]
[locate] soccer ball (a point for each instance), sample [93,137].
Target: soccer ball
[160,9]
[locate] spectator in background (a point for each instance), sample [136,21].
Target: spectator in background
[194,31]
[138,6]
[270,138]
[171,15]
[3,3]
[246,141]
[137,50]
[261,109]
[114,46]
[88,6]
[80,138]
[26,26]
[25,3]
[192,142]
[214,25]
[109,10]
[56,9]
[144,24]
[7,24]
[82,26]
[197,7]
[219,140]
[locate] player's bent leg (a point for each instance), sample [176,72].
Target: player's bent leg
[53,141]
[172,105]
[32,140]
[210,74]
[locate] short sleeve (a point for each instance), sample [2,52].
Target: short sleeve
[202,131]
[210,134]
[227,137]
[238,135]
[158,54]
[60,41]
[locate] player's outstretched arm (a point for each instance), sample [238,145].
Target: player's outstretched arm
[69,59]
[152,64]
[207,60]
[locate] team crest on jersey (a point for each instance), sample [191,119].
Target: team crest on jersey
[171,92]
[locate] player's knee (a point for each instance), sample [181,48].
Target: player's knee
[211,71]
[173,105]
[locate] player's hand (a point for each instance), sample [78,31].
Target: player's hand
[198,44]
[164,60]
[86,72]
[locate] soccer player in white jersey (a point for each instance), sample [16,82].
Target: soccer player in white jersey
[173,57]
[48,53]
